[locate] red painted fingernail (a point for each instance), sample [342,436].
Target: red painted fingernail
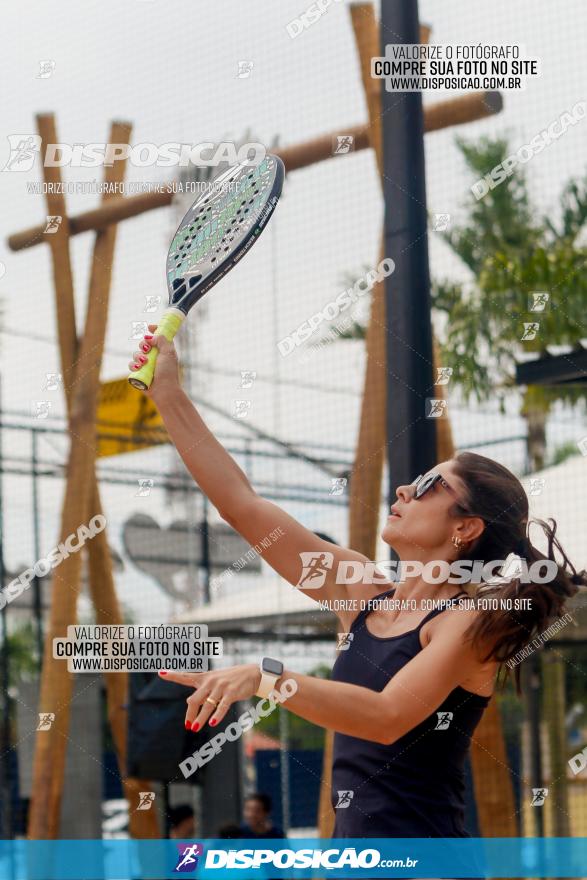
[135,367]
[142,359]
[213,723]
[188,726]
[162,672]
[145,346]
[195,726]
[148,336]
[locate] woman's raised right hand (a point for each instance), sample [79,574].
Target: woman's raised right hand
[166,377]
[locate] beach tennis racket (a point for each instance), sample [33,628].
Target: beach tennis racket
[217,231]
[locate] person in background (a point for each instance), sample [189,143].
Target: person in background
[257,818]
[229,832]
[182,822]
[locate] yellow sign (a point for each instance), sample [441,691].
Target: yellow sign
[127,420]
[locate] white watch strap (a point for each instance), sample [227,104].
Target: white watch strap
[266,685]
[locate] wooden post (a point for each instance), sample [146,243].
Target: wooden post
[56,681]
[494,794]
[554,711]
[367,474]
[142,823]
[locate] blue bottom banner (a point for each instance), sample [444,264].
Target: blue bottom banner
[362,858]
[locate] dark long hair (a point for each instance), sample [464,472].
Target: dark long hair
[497,496]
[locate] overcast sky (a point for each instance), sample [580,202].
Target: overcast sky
[170,68]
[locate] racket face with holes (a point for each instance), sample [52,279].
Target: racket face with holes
[220,227]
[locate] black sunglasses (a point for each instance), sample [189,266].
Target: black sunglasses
[425,482]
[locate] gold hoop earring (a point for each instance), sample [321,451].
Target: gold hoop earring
[457,541]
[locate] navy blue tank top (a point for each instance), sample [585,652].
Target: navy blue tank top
[414,787]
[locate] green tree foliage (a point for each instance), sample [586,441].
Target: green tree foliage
[512,252]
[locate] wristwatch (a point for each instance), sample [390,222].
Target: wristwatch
[271,670]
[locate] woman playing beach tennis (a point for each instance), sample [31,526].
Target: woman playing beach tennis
[410,684]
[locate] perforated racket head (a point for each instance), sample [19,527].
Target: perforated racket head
[220,227]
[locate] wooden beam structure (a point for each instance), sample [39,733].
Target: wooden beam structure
[457,111]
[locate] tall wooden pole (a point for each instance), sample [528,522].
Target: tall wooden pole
[142,823]
[81,499]
[494,795]
[554,711]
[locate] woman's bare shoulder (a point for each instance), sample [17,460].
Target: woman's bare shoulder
[454,620]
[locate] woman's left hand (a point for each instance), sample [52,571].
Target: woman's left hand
[222,687]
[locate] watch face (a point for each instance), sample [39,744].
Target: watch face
[272,667]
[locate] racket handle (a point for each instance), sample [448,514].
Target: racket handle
[168,326]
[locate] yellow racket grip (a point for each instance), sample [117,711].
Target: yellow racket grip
[168,326]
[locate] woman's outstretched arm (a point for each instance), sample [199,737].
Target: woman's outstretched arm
[214,470]
[260,522]
[212,467]
[413,694]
